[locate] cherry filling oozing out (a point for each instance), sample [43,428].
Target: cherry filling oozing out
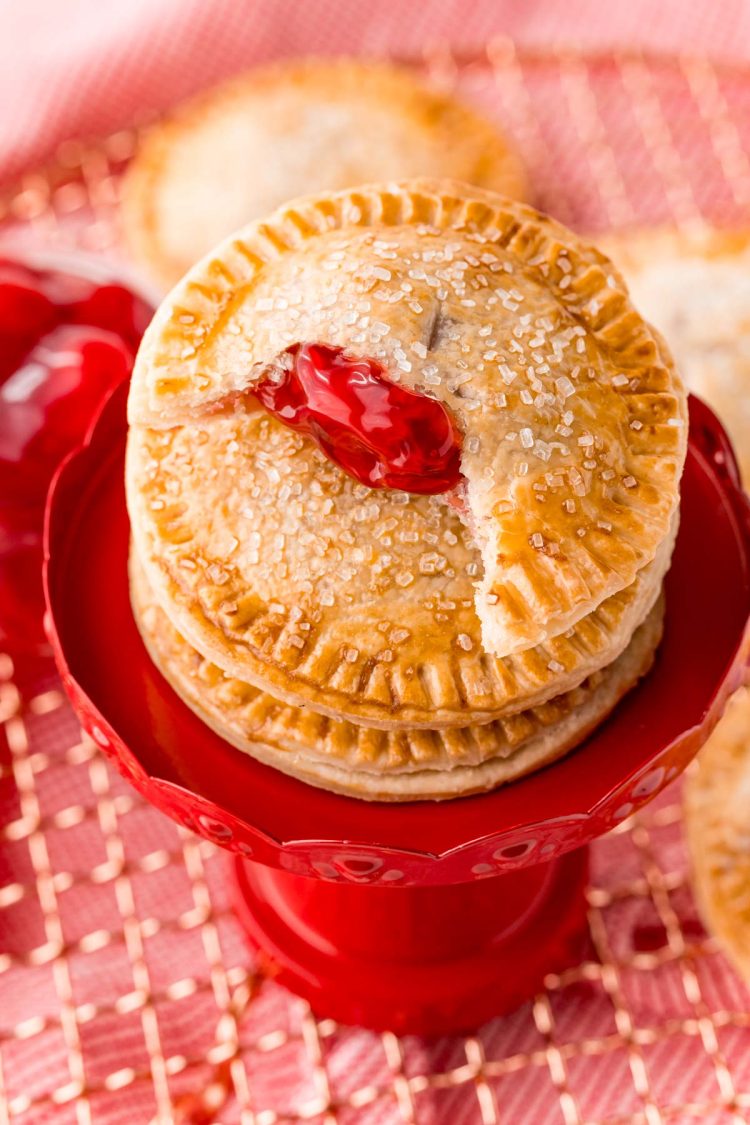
[65,342]
[377,431]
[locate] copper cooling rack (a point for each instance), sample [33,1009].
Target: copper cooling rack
[126,992]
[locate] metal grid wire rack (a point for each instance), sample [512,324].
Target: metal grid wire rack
[127,994]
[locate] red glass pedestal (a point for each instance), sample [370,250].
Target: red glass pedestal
[424,917]
[438,958]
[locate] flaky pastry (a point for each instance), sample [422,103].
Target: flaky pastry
[400,765]
[290,575]
[717,823]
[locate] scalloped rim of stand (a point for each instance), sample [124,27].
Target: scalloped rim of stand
[187,771]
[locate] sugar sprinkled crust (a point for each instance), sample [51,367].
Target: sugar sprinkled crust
[717,822]
[242,149]
[381,765]
[694,285]
[574,419]
[290,575]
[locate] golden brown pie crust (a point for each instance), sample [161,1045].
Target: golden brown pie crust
[359,640]
[572,467]
[390,765]
[717,824]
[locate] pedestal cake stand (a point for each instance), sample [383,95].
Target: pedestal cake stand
[425,917]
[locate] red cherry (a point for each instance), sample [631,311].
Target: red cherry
[21,595]
[115,308]
[13,351]
[378,432]
[47,404]
[24,311]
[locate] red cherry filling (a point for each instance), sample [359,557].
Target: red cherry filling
[377,431]
[65,342]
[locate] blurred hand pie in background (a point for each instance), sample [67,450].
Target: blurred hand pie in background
[239,151]
[717,826]
[694,286]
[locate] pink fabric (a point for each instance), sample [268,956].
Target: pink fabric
[83,67]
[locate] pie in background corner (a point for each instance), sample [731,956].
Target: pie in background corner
[694,285]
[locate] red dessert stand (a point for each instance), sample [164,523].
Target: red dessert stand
[424,917]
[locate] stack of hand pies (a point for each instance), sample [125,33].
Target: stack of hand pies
[403,477]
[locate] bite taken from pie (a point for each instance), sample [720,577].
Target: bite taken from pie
[403,478]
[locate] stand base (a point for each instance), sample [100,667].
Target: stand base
[416,960]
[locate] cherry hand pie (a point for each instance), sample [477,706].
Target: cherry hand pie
[388,765]
[403,474]
[241,150]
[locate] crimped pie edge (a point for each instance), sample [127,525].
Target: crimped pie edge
[717,834]
[387,765]
[462,687]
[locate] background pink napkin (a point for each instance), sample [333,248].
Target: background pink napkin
[88,67]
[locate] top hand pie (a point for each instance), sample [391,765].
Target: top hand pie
[346,345]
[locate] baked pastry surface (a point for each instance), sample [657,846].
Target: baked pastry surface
[290,575]
[389,765]
[241,150]
[717,823]
[695,287]
[574,437]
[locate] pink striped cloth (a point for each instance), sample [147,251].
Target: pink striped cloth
[82,67]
